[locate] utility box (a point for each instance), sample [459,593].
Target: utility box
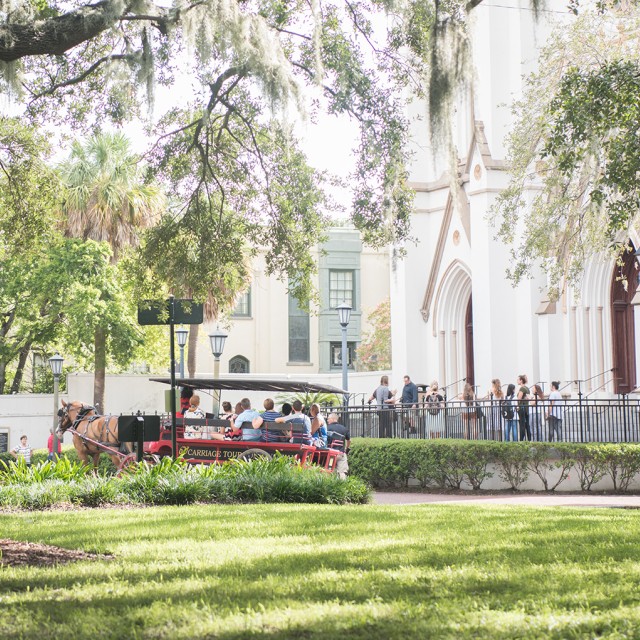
[167,400]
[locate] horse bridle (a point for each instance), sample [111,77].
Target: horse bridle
[63,414]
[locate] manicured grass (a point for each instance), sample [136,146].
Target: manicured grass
[309,571]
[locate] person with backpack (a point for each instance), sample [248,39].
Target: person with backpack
[434,416]
[509,415]
[434,399]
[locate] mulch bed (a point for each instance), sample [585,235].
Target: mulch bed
[31,554]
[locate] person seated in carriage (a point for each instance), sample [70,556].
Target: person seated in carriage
[303,422]
[247,415]
[193,412]
[269,415]
[318,426]
[339,437]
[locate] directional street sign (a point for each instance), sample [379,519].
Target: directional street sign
[185,311]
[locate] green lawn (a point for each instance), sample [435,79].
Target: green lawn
[371,572]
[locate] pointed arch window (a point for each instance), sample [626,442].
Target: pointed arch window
[239,364]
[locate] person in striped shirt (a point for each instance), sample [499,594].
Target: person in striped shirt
[22,450]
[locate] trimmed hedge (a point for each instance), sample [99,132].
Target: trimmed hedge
[446,464]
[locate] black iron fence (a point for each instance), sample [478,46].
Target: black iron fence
[583,420]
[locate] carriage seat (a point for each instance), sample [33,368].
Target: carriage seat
[202,427]
[276,432]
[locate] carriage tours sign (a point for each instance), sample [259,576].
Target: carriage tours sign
[171,312]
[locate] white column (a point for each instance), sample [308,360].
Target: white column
[586,339]
[442,348]
[573,330]
[600,346]
[454,360]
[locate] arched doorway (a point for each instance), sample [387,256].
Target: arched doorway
[468,326]
[453,328]
[622,322]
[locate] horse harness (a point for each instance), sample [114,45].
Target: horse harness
[83,417]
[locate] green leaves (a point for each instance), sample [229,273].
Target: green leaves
[574,150]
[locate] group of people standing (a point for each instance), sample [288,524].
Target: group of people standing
[517,414]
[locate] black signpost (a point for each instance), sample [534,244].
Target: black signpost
[138,429]
[173,311]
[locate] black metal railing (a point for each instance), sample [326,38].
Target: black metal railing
[583,420]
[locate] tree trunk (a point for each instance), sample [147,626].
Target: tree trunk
[17,379]
[3,376]
[192,349]
[100,369]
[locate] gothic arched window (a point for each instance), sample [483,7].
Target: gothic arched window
[238,364]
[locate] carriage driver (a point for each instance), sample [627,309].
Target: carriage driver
[339,437]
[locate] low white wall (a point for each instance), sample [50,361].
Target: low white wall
[27,414]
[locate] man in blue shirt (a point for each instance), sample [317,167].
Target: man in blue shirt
[409,402]
[247,415]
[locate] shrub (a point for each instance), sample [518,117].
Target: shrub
[544,457]
[177,483]
[446,464]
[590,463]
[511,460]
[622,462]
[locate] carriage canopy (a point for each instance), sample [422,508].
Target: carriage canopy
[252,384]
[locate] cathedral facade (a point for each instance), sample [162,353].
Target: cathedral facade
[455,316]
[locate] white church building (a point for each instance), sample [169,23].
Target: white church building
[454,313]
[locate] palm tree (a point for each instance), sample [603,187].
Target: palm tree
[107,200]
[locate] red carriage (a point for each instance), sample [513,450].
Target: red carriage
[206,446]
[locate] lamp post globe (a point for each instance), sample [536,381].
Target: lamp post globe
[217,340]
[344,314]
[181,335]
[55,362]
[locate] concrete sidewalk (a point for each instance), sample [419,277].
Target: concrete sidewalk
[524,499]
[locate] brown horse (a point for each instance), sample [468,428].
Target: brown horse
[84,420]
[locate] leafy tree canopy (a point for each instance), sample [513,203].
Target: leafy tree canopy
[575,150]
[240,64]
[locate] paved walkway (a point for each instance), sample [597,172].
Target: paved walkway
[526,499]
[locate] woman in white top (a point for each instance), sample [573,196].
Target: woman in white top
[193,412]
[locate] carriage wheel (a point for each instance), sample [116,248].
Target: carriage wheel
[255,454]
[130,462]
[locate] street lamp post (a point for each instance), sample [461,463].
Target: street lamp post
[181,335]
[55,362]
[217,340]
[344,315]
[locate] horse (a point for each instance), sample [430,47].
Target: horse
[85,421]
